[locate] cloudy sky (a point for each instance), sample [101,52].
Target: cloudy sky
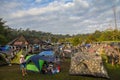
[60,16]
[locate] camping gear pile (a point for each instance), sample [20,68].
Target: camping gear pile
[87,64]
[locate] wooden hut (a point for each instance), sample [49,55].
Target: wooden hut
[19,41]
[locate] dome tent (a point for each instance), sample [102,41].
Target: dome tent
[87,64]
[35,62]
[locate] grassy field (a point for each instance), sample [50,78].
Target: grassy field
[13,73]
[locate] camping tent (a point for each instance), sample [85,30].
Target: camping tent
[35,62]
[16,59]
[5,48]
[46,53]
[87,64]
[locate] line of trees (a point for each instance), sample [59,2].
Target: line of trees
[7,34]
[97,36]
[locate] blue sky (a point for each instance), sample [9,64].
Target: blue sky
[60,16]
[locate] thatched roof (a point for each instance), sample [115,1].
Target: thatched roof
[19,41]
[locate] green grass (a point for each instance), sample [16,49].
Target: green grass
[113,71]
[13,73]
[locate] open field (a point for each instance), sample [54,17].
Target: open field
[13,73]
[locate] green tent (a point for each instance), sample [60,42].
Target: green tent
[34,64]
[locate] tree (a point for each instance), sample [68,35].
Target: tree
[75,41]
[3,32]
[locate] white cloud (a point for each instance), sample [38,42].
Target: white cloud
[77,16]
[81,3]
[37,1]
[37,11]
[68,5]
[54,6]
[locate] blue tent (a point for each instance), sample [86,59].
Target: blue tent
[35,58]
[4,48]
[46,53]
[88,45]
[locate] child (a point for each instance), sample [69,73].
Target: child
[23,65]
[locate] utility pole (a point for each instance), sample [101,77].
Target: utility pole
[115,19]
[115,22]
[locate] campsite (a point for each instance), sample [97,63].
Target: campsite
[89,61]
[60,40]
[13,73]
[63,60]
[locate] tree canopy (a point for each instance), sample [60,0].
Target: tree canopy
[7,34]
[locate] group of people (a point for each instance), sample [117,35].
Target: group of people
[111,53]
[50,68]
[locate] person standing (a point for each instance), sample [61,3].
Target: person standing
[23,65]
